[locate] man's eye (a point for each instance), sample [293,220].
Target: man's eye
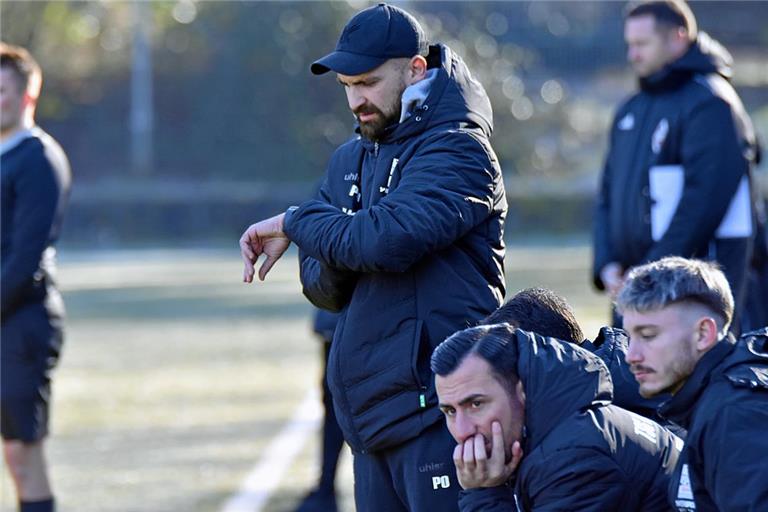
[476,404]
[449,412]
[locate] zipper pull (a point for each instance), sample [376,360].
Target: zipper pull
[422,400]
[375,149]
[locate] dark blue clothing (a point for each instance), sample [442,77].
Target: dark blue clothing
[688,123]
[29,350]
[35,189]
[405,240]
[35,186]
[416,475]
[580,452]
[324,324]
[724,407]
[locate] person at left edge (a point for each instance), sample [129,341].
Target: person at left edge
[35,187]
[406,240]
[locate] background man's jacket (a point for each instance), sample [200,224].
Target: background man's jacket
[724,407]
[688,115]
[579,452]
[35,189]
[405,240]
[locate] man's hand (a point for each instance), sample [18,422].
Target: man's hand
[612,276]
[265,237]
[475,469]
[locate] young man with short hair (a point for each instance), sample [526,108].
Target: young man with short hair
[677,313]
[35,186]
[536,430]
[546,313]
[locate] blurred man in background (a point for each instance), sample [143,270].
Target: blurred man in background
[677,177]
[35,188]
[677,313]
[406,241]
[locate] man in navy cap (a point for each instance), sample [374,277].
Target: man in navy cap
[405,239]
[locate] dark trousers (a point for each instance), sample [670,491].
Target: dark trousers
[416,476]
[333,439]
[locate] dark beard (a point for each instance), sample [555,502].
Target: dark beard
[374,130]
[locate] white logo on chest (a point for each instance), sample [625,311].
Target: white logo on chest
[659,136]
[627,122]
[392,168]
[684,500]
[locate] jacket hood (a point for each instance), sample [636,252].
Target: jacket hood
[559,379]
[747,366]
[705,56]
[454,97]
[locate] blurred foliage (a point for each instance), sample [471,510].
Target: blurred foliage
[234,101]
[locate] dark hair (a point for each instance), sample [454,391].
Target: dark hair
[23,65]
[666,13]
[541,311]
[494,343]
[674,280]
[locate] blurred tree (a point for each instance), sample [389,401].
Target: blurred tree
[235,102]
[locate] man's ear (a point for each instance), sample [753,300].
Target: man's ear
[706,333]
[520,392]
[678,41]
[417,69]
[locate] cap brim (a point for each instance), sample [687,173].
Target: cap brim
[346,63]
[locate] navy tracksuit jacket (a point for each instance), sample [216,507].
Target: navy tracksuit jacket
[405,239]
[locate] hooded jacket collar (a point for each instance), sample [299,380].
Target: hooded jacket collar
[453,96]
[17,138]
[705,56]
[559,379]
[681,406]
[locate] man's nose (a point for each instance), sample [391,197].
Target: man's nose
[464,428]
[633,353]
[355,99]
[632,54]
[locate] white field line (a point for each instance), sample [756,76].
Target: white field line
[265,476]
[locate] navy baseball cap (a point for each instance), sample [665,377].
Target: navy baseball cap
[372,37]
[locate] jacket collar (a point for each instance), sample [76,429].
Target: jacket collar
[16,139]
[704,56]
[681,406]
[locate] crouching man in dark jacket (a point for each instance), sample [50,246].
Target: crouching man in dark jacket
[677,312]
[536,429]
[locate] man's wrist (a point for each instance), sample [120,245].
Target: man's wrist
[285,217]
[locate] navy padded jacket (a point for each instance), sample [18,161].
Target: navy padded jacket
[405,239]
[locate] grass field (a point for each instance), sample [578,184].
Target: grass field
[176,377]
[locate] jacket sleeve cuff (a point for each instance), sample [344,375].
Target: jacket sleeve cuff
[487,498]
[287,220]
